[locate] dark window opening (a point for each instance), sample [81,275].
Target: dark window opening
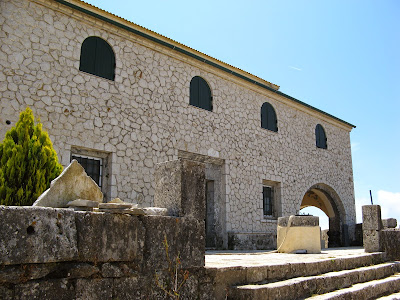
[93,167]
[97,58]
[268,117]
[268,200]
[200,94]
[320,137]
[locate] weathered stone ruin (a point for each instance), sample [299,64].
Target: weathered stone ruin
[111,253]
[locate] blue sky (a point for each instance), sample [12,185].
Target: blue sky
[342,57]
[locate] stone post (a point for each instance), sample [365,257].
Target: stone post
[372,228]
[180,187]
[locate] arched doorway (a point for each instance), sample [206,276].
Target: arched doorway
[326,199]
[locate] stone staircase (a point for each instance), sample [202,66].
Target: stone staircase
[364,277]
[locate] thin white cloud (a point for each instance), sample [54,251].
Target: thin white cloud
[390,204]
[294,68]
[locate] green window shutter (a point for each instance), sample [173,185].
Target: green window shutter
[105,60]
[194,91]
[268,117]
[320,137]
[200,93]
[264,112]
[97,58]
[88,60]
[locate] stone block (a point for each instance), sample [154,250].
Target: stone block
[327,265]
[372,240]
[299,233]
[193,190]
[73,183]
[11,274]
[256,274]
[37,235]
[298,269]
[280,290]
[130,288]
[226,277]
[389,223]
[168,186]
[311,268]
[78,270]
[191,242]
[22,273]
[391,243]
[279,272]
[371,217]
[94,289]
[180,187]
[57,289]
[298,221]
[251,241]
[184,237]
[111,270]
[6,293]
[104,237]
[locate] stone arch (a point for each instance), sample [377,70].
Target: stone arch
[325,198]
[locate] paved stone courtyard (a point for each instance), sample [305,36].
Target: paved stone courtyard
[235,258]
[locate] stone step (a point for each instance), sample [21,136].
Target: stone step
[394,296]
[301,287]
[366,290]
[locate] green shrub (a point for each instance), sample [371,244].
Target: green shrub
[28,162]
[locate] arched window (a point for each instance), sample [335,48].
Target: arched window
[97,58]
[320,137]
[268,117]
[200,94]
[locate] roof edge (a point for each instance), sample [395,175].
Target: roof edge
[169,43]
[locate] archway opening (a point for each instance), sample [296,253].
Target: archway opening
[323,222]
[322,197]
[315,211]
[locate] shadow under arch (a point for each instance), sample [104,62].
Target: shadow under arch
[325,198]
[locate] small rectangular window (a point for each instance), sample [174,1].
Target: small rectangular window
[271,199]
[268,200]
[97,165]
[92,165]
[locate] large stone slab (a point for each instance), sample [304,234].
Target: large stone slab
[36,235]
[391,243]
[299,233]
[73,183]
[185,236]
[371,215]
[104,237]
[57,289]
[372,227]
[180,187]
[98,288]
[389,223]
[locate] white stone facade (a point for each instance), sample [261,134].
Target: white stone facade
[144,117]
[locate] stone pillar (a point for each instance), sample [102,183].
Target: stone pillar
[180,187]
[372,227]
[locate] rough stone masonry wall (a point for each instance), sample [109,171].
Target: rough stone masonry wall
[48,253]
[144,117]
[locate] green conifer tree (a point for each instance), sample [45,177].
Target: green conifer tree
[28,162]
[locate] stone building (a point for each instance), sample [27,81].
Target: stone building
[121,99]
